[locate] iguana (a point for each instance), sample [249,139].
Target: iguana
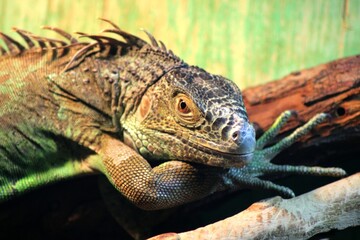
[162,131]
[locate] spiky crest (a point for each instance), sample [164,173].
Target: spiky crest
[58,47]
[105,46]
[62,33]
[109,46]
[13,46]
[2,51]
[24,34]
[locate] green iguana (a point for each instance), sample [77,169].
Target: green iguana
[162,131]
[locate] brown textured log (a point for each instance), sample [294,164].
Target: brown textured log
[332,88]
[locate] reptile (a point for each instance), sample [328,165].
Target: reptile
[162,131]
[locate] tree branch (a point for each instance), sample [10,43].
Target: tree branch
[334,206]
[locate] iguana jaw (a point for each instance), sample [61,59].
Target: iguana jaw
[230,158]
[222,155]
[169,146]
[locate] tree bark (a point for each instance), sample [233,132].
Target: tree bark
[334,206]
[332,88]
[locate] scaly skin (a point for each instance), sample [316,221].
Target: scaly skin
[114,107]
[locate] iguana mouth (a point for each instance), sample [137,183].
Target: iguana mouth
[225,149]
[214,154]
[220,158]
[229,155]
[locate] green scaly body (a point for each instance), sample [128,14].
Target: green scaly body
[35,126]
[113,106]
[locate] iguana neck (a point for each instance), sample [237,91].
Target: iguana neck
[96,83]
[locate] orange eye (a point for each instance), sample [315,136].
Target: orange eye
[186,111]
[183,106]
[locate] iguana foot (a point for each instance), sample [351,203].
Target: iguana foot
[261,165]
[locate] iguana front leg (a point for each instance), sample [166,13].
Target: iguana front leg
[169,184]
[261,165]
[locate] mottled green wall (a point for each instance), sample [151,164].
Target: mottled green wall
[248,41]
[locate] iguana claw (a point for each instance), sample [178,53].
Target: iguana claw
[261,162]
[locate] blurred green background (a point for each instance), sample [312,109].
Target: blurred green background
[250,42]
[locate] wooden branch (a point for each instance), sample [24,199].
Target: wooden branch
[333,88]
[334,206]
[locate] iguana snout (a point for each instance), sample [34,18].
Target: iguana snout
[243,136]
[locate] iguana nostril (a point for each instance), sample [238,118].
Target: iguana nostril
[238,135]
[243,137]
[235,136]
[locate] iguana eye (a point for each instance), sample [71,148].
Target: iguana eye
[185,109]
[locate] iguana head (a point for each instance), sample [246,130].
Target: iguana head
[192,115]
